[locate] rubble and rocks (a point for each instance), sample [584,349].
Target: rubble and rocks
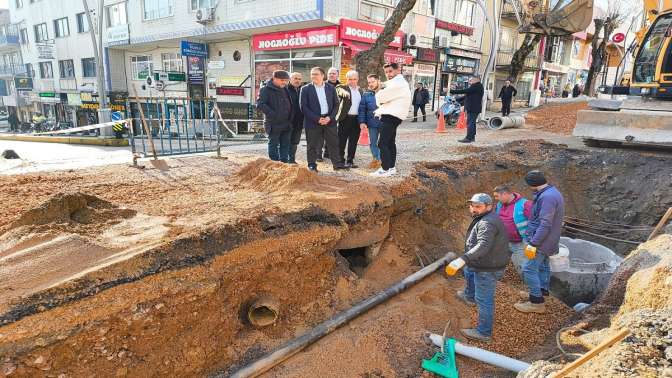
[9,154]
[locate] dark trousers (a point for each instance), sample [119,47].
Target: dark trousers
[319,136]
[506,107]
[295,139]
[278,144]
[348,135]
[422,109]
[387,140]
[471,126]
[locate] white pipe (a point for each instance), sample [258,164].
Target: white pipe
[510,122]
[483,355]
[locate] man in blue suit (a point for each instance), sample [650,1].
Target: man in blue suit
[319,105]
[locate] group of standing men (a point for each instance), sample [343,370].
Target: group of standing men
[333,115]
[515,228]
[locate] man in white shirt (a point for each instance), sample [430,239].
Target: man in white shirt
[349,96]
[393,103]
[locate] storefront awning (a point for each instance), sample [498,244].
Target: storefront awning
[391,56]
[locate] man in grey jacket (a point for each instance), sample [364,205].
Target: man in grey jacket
[486,255]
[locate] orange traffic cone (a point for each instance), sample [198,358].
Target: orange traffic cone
[441,124]
[461,122]
[364,137]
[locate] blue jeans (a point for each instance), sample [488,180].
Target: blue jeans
[373,142]
[518,255]
[278,145]
[480,288]
[471,125]
[537,276]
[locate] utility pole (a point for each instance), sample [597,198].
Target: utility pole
[103,109]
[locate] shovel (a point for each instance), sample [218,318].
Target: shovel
[156,163]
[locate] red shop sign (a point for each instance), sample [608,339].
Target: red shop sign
[429,55]
[390,56]
[462,29]
[363,32]
[230,91]
[296,39]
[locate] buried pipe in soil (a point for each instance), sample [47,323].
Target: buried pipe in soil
[483,355]
[294,346]
[263,312]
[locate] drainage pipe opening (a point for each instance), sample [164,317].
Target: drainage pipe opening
[263,312]
[358,259]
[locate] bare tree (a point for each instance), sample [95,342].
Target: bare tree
[606,25]
[371,61]
[520,56]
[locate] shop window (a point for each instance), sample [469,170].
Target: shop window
[464,12]
[141,67]
[82,23]
[272,55]
[61,27]
[374,13]
[66,69]
[155,9]
[89,67]
[46,70]
[171,62]
[301,54]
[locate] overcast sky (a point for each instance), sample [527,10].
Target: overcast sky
[3,4]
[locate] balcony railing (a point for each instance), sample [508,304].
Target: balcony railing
[508,10]
[45,84]
[9,36]
[504,59]
[68,84]
[12,70]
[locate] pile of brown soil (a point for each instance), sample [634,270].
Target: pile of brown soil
[557,118]
[270,176]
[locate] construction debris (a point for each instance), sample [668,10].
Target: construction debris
[557,118]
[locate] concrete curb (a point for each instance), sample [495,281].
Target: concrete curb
[92,141]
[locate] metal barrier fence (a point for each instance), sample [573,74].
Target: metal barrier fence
[176,126]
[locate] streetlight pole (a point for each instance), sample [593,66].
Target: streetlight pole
[103,109]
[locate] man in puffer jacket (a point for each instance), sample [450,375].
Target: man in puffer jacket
[367,120]
[393,102]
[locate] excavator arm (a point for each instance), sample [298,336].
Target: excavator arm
[554,17]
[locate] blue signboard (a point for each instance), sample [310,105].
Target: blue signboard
[116,116]
[193,49]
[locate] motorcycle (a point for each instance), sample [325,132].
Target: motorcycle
[451,110]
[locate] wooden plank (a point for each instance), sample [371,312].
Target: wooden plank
[620,335]
[661,224]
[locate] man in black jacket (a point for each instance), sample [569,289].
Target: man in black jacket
[486,255]
[507,94]
[294,87]
[349,96]
[473,105]
[319,105]
[276,104]
[420,99]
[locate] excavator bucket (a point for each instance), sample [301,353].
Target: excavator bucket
[573,17]
[565,18]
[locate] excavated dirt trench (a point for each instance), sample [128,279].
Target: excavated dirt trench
[177,304]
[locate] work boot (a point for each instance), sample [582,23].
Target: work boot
[473,334]
[460,295]
[424,118]
[529,307]
[524,295]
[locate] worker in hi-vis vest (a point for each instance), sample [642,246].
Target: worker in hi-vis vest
[514,210]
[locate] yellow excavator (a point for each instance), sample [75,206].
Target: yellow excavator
[645,116]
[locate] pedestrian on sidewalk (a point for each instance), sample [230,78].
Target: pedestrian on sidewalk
[295,81]
[13,121]
[515,211]
[486,255]
[350,96]
[367,120]
[576,92]
[565,90]
[420,99]
[543,240]
[319,104]
[332,79]
[276,104]
[507,94]
[473,105]
[393,102]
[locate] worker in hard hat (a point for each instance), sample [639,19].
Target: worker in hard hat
[486,255]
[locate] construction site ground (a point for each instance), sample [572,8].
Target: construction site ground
[120,271]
